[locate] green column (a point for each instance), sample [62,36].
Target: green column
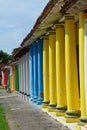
[17,77]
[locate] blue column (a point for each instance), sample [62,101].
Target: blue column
[35,72]
[31,72]
[40,71]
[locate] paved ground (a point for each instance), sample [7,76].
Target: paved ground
[24,116]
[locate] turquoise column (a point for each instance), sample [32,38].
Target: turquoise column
[35,81]
[31,73]
[8,79]
[40,71]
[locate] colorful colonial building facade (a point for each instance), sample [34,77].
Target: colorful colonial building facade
[52,68]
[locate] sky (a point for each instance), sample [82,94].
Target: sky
[17,18]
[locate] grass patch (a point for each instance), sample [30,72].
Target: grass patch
[18,126]
[3,122]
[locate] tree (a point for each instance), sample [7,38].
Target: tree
[4,57]
[14,50]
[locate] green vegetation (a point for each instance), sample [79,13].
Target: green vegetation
[3,122]
[4,57]
[18,126]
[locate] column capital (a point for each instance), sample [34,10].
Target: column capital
[69,16]
[60,25]
[46,37]
[52,32]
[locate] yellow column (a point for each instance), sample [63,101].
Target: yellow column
[73,112]
[60,71]
[52,71]
[46,71]
[83,118]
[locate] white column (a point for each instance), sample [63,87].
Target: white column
[28,73]
[24,75]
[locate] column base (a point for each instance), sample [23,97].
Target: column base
[45,104]
[59,113]
[39,101]
[72,116]
[83,121]
[35,100]
[60,110]
[71,120]
[28,95]
[81,126]
[51,108]
[31,99]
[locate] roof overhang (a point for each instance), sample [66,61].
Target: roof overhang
[52,13]
[74,6]
[21,51]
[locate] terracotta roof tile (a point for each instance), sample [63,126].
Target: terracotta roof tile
[67,4]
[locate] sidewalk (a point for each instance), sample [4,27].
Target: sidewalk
[24,116]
